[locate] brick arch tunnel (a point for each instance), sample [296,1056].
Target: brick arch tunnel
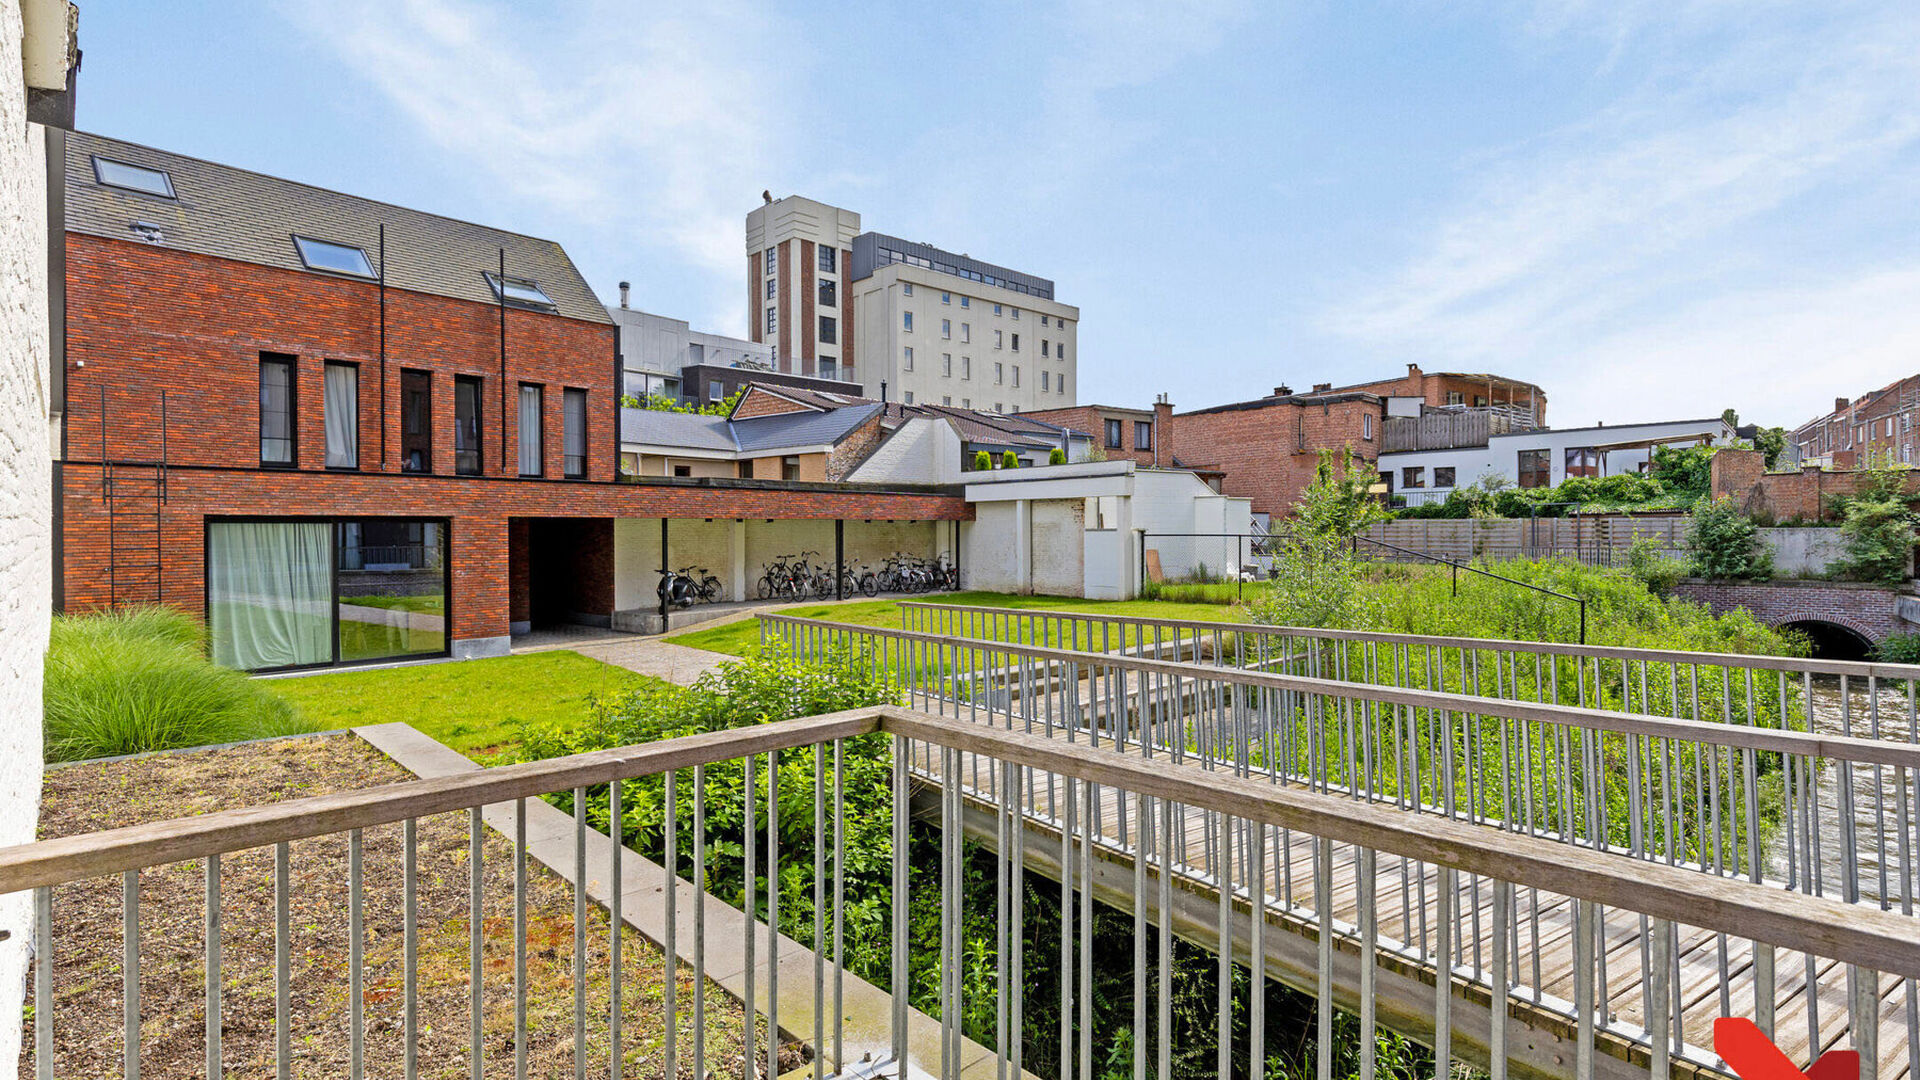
[1830,638]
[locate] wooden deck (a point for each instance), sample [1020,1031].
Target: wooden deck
[1408,897]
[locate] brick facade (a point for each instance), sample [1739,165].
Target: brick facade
[1092,419]
[809,329]
[1868,610]
[1878,428]
[142,319]
[1270,449]
[1801,496]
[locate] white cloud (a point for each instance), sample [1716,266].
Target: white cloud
[1673,222]
[642,121]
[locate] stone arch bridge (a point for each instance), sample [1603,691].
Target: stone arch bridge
[1825,610]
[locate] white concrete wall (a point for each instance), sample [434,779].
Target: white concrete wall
[1057,547]
[922,451]
[25,496]
[1803,550]
[1501,455]
[990,541]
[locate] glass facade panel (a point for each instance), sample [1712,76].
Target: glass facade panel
[393,588]
[269,593]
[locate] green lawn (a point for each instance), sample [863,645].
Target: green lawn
[739,638]
[471,706]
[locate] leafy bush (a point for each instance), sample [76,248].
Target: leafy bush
[139,679]
[1009,460]
[1317,577]
[1724,543]
[1650,564]
[1877,527]
[1056,456]
[1898,649]
[982,462]
[1683,470]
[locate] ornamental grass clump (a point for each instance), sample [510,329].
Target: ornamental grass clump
[139,679]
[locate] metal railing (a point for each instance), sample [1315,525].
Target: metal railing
[1733,785]
[1354,940]
[1457,566]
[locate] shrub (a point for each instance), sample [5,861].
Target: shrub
[1898,649]
[1649,563]
[1056,456]
[1009,460]
[982,462]
[1878,539]
[1685,470]
[1724,543]
[138,680]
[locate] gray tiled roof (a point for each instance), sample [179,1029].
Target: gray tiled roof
[693,431]
[232,213]
[802,428]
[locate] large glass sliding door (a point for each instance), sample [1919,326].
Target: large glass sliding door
[298,593]
[393,588]
[270,593]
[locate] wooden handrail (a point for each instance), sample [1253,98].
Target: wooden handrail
[1739,737]
[1850,668]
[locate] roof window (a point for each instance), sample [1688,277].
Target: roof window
[519,291]
[333,258]
[132,177]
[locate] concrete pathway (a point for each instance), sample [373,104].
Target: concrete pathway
[650,654]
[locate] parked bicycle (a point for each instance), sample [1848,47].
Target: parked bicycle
[688,586]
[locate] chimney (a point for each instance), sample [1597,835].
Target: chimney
[1322,387]
[1162,430]
[1283,390]
[1839,403]
[1413,371]
[624,289]
[883,391]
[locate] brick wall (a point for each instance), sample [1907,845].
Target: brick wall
[1093,420]
[809,328]
[1868,610]
[1785,497]
[1269,453]
[142,319]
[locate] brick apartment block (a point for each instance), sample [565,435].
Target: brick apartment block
[186,277]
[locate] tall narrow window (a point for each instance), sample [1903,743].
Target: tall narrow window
[466,425]
[276,410]
[531,432]
[343,415]
[416,421]
[575,432]
[829,330]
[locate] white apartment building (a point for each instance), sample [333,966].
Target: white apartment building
[907,321]
[655,349]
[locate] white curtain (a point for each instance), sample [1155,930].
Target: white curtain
[529,431]
[575,433]
[270,593]
[343,416]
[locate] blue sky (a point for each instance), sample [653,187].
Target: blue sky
[1656,210]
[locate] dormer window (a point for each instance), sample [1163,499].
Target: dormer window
[333,258]
[524,291]
[132,177]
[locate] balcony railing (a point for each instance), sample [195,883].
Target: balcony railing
[1125,803]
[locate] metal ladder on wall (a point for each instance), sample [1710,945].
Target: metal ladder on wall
[134,490]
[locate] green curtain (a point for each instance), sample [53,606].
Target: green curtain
[270,593]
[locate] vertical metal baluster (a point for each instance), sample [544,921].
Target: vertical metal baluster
[1144,825]
[670,939]
[1016,1019]
[476,940]
[410,947]
[1443,975]
[130,969]
[699,882]
[1323,987]
[819,912]
[839,903]
[1164,1000]
[749,844]
[1501,980]
[1089,821]
[1066,813]
[1257,952]
[1863,986]
[617,929]
[282,962]
[356,967]
[1659,1014]
[43,1047]
[899,944]
[213,967]
[1369,960]
[520,939]
[773,913]
[1583,989]
[949,961]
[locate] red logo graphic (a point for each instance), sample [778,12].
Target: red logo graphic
[1742,1045]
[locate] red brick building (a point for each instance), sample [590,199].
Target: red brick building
[1877,428]
[343,430]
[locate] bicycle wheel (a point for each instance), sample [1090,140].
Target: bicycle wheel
[869,585]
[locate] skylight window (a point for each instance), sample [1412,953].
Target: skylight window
[332,257]
[520,291]
[132,177]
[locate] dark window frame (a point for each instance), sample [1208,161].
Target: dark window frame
[355,366]
[1116,431]
[829,330]
[1450,474]
[425,433]
[568,467]
[292,365]
[540,462]
[1143,434]
[1413,477]
[1542,475]
[478,450]
[827,294]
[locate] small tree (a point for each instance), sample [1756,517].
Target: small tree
[1317,576]
[1877,527]
[1772,442]
[982,462]
[1056,456]
[1009,460]
[1722,542]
